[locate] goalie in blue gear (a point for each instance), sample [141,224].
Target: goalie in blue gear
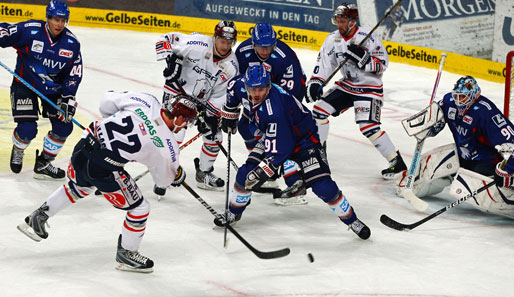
[290,132]
[49,59]
[482,151]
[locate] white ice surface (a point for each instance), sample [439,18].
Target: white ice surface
[463,252]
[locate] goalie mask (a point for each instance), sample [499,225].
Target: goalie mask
[182,105]
[465,92]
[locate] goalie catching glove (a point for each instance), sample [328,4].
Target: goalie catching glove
[173,69]
[229,119]
[67,106]
[504,173]
[357,54]
[260,174]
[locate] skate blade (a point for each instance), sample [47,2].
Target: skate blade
[388,176]
[210,188]
[271,184]
[125,267]
[290,201]
[28,231]
[46,177]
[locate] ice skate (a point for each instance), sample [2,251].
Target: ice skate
[16,159]
[359,228]
[132,260]
[293,195]
[206,180]
[395,166]
[34,225]
[43,169]
[229,218]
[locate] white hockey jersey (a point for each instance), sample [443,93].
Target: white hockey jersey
[201,77]
[133,127]
[361,82]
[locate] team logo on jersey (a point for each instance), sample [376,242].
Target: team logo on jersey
[142,128]
[172,150]
[148,123]
[468,120]
[13,29]
[37,46]
[266,66]
[289,72]
[451,113]
[115,199]
[499,120]
[223,77]
[65,53]
[157,141]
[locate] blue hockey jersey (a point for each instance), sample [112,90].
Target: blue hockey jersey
[287,124]
[283,64]
[52,66]
[477,132]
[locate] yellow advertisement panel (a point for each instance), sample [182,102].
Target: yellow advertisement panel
[160,23]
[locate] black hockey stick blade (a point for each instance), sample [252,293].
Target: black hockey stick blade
[393,224]
[262,255]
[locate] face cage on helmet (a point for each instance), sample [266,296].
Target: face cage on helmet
[169,105]
[228,33]
[464,96]
[344,12]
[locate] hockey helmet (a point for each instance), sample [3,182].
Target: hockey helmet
[264,35]
[257,76]
[465,92]
[227,30]
[57,9]
[347,10]
[182,105]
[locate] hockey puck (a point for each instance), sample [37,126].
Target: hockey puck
[311,257]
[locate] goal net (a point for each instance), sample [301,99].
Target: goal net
[509,87]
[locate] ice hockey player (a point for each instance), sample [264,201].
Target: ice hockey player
[48,59]
[360,86]
[276,56]
[230,123]
[283,64]
[135,128]
[483,137]
[290,133]
[200,66]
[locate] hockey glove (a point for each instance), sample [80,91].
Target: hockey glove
[314,90]
[229,119]
[67,106]
[174,68]
[207,124]
[260,174]
[357,54]
[180,177]
[502,178]
[257,154]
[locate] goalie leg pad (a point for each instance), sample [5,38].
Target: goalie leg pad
[492,200]
[435,170]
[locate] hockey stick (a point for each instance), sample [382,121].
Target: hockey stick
[39,94]
[400,227]
[229,138]
[362,42]
[408,192]
[263,255]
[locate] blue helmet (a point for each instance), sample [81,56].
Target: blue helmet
[256,76]
[465,92]
[263,35]
[57,9]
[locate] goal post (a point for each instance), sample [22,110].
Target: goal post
[508,107]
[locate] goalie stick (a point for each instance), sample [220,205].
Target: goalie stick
[407,191]
[260,254]
[401,227]
[361,43]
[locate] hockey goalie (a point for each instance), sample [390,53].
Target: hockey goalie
[482,151]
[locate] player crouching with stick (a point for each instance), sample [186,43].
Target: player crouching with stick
[135,128]
[483,149]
